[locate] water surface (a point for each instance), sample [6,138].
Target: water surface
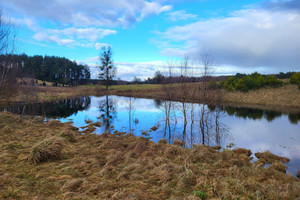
[228,127]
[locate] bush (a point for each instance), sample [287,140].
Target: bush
[241,85]
[295,79]
[48,149]
[44,84]
[272,81]
[254,81]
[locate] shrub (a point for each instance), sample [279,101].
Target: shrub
[48,149]
[241,85]
[44,83]
[230,83]
[295,79]
[253,81]
[272,81]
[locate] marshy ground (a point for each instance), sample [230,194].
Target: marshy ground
[52,160]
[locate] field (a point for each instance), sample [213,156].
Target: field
[52,160]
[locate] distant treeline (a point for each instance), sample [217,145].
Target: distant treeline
[49,68]
[159,78]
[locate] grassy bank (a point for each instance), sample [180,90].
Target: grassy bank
[286,97]
[47,94]
[51,160]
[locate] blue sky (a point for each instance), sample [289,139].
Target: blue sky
[242,36]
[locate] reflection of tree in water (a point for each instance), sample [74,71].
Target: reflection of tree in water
[108,112]
[158,103]
[255,114]
[211,129]
[169,128]
[59,108]
[131,109]
[294,118]
[200,124]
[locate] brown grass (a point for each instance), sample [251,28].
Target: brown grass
[268,157]
[281,98]
[127,167]
[48,149]
[285,96]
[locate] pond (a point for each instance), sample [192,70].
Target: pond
[228,127]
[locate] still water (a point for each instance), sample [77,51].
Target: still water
[228,127]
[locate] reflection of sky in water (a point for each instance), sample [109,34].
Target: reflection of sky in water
[278,136]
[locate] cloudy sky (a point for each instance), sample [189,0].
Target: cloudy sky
[243,36]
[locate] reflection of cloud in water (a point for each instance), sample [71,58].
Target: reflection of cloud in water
[248,128]
[262,136]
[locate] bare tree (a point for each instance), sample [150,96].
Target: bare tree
[7,47]
[107,67]
[29,94]
[206,62]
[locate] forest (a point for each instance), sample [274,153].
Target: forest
[48,68]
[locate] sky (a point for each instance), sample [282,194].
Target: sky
[240,35]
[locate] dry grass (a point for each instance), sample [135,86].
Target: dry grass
[281,98]
[268,157]
[48,149]
[46,94]
[285,96]
[128,167]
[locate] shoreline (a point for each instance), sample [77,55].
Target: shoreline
[117,166]
[251,99]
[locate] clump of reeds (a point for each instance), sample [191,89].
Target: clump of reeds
[178,142]
[88,121]
[48,149]
[54,123]
[68,136]
[246,152]
[154,128]
[279,167]
[268,157]
[90,129]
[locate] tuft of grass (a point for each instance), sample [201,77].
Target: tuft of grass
[200,194]
[178,142]
[48,149]
[268,157]
[68,136]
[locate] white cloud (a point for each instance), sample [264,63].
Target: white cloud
[84,37]
[84,13]
[79,21]
[127,70]
[99,46]
[143,70]
[181,15]
[248,38]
